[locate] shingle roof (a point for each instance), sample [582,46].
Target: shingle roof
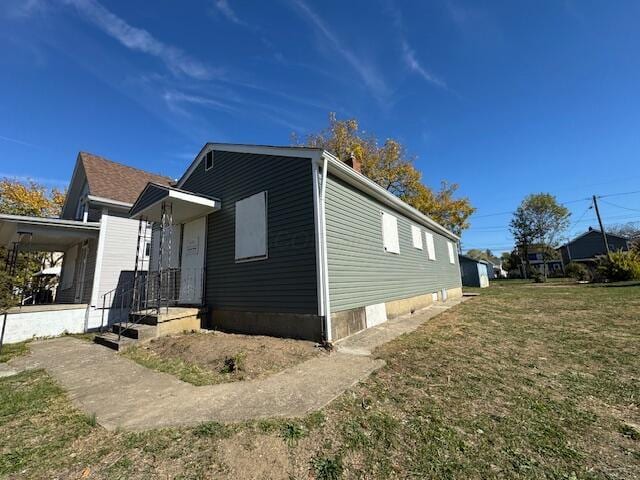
[116,181]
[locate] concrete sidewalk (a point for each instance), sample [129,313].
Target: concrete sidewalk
[123,394]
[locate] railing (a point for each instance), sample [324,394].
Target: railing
[150,294]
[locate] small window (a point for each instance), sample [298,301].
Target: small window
[452,258]
[431,248]
[147,249]
[208,160]
[416,236]
[251,228]
[390,233]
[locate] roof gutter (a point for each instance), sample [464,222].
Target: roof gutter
[325,261]
[108,202]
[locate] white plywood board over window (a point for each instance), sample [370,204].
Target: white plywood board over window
[251,227]
[431,248]
[452,258]
[375,314]
[416,235]
[390,233]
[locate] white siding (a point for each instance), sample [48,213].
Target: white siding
[118,254]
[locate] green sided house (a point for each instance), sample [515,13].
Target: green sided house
[292,242]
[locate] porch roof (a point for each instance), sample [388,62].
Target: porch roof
[44,234]
[184,205]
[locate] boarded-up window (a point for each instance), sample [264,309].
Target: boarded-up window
[431,249]
[452,257]
[416,236]
[390,233]
[251,227]
[69,268]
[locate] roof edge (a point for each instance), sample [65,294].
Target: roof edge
[318,154]
[369,186]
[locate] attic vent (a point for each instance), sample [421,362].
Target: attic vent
[208,160]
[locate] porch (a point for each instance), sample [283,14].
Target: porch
[27,238]
[168,294]
[44,307]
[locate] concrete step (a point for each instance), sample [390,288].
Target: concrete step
[110,340]
[135,331]
[150,317]
[143,318]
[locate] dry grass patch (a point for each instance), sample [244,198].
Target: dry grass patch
[216,357]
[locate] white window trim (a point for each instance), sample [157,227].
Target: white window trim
[266,231]
[390,245]
[206,169]
[416,237]
[431,246]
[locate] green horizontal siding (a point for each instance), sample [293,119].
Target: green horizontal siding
[360,271]
[285,282]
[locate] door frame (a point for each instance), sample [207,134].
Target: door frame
[205,236]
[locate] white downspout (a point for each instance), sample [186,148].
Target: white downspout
[325,262]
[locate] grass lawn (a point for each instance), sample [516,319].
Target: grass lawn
[526,381]
[12,350]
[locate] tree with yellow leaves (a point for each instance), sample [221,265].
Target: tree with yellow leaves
[391,167]
[31,199]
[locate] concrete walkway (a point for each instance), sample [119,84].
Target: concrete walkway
[123,394]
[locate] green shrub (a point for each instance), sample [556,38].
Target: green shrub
[619,266]
[291,433]
[578,271]
[327,468]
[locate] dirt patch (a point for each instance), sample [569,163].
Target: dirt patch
[216,357]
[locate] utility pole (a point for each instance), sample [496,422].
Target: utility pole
[604,234]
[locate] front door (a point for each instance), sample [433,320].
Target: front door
[82,269]
[192,261]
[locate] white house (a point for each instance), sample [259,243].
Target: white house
[99,242]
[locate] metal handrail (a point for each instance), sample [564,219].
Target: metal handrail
[151,293]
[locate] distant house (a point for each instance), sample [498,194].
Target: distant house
[536,260]
[474,273]
[98,241]
[587,247]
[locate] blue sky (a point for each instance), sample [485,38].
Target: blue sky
[504,98]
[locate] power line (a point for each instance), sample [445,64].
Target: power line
[619,194]
[620,206]
[564,203]
[513,211]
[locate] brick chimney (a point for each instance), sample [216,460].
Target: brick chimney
[354,163]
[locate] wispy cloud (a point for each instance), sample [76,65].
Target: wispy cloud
[19,142]
[226,10]
[174,98]
[369,74]
[141,40]
[409,57]
[408,53]
[22,8]
[236,105]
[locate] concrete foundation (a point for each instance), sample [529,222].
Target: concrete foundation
[348,322]
[286,325]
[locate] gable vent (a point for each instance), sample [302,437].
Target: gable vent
[208,160]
